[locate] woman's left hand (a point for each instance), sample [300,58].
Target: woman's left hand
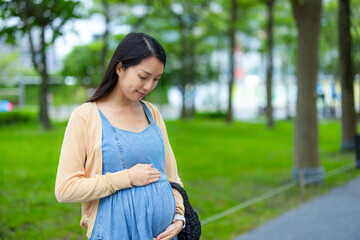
[171,231]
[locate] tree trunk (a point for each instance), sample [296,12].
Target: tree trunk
[191,76]
[307,15]
[44,115]
[232,32]
[187,77]
[41,68]
[183,92]
[348,118]
[184,74]
[269,68]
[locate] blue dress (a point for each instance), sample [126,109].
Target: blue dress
[139,212]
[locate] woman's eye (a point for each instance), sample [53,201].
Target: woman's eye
[156,79]
[143,78]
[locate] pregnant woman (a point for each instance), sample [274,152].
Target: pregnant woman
[116,157]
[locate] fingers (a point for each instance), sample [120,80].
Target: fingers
[152,180]
[164,235]
[171,231]
[143,174]
[153,172]
[154,176]
[150,168]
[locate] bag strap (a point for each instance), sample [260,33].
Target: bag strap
[180,189]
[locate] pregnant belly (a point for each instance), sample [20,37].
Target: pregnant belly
[156,201]
[139,212]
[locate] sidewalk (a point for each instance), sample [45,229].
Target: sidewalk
[334,216]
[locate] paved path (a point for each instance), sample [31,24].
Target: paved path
[334,216]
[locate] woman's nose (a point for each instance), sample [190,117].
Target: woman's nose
[148,85]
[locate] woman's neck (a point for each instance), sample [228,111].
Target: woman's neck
[116,100]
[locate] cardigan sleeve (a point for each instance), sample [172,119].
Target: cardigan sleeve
[71,183]
[170,161]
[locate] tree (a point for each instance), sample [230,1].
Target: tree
[269,65]
[37,19]
[328,52]
[307,16]
[186,16]
[111,9]
[348,118]
[237,17]
[232,36]
[355,33]
[182,35]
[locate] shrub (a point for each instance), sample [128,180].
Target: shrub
[210,115]
[17,116]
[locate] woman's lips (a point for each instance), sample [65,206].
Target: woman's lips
[140,94]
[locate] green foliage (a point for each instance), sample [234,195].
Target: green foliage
[328,52]
[11,67]
[83,62]
[69,95]
[62,94]
[17,116]
[23,15]
[285,35]
[160,94]
[220,166]
[9,63]
[355,33]
[42,22]
[185,39]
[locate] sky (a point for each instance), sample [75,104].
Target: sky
[78,32]
[81,31]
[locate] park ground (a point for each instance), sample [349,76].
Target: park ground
[220,166]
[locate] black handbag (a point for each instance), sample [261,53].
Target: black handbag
[192,230]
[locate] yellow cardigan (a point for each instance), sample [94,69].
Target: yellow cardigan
[79,176]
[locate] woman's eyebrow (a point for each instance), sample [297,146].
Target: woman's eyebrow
[148,72]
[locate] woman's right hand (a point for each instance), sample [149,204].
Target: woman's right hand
[143,174]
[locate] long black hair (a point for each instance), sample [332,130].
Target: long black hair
[134,48]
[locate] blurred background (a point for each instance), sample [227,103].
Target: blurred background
[255,94]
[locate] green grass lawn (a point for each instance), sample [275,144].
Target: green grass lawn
[221,166]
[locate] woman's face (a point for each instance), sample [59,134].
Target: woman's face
[137,81]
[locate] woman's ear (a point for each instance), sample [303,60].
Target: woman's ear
[119,68]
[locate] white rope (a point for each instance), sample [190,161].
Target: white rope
[340,170]
[271,193]
[248,203]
